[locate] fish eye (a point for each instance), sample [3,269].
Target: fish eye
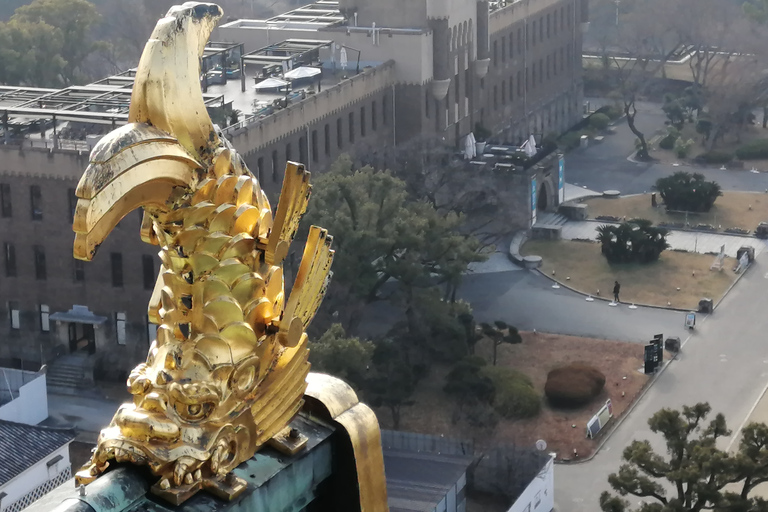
[194,412]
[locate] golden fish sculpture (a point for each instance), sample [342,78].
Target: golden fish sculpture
[228,369]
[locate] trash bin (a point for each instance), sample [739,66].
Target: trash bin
[583,142]
[672,344]
[706,306]
[749,250]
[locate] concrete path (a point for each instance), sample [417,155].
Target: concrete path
[701,242]
[724,362]
[526,299]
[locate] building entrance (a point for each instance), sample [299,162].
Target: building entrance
[82,338]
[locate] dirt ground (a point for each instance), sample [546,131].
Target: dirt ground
[734,209]
[536,356]
[655,283]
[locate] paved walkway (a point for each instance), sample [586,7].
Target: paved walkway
[702,243]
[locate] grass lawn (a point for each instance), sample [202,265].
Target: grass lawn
[730,211]
[655,283]
[433,410]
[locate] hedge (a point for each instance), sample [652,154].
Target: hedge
[715,156]
[754,150]
[667,142]
[573,385]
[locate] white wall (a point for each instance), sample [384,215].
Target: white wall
[35,476]
[30,403]
[540,493]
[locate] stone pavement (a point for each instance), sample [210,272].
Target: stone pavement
[689,241]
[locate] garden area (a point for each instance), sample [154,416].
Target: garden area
[526,364]
[744,210]
[581,266]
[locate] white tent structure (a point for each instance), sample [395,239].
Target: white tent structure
[529,147]
[470,150]
[302,72]
[270,83]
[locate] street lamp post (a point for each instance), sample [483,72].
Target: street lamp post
[617,11]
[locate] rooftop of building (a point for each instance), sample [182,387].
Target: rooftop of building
[233,80]
[22,446]
[419,481]
[11,380]
[320,14]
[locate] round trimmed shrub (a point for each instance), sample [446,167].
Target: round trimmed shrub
[667,142]
[515,396]
[573,385]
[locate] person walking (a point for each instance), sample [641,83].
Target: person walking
[616,289]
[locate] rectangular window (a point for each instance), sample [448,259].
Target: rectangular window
[385,110]
[287,152]
[519,41]
[362,121]
[327,131]
[570,15]
[511,88]
[260,169]
[374,121]
[303,150]
[562,59]
[5,200]
[40,270]
[315,156]
[36,202]
[519,84]
[79,271]
[533,33]
[541,28]
[10,259]
[148,271]
[120,328]
[14,316]
[503,48]
[339,134]
[495,96]
[351,127]
[116,260]
[547,67]
[549,25]
[554,22]
[511,45]
[274,166]
[72,204]
[45,322]
[503,92]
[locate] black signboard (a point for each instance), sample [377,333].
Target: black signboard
[650,358]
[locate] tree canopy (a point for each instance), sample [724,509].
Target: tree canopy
[695,475]
[381,234]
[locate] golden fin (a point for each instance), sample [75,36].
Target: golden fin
[294,198]
[311,279]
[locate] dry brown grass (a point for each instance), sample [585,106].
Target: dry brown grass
[536,356]
[730,211]
[655,283]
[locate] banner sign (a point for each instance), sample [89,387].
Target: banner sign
[561,178]
[533,201]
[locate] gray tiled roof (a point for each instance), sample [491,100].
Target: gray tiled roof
[22,446]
